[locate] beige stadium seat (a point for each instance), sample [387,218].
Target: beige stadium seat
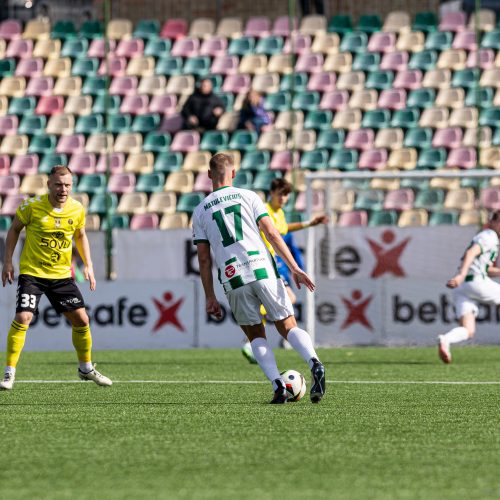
[139,163]
[3,46]
[489,157]
[119,29]
[413,217]
[61,124]
[297,179]
[473,218]
[342,200]
[450,98]
[496,99]
[14,145]
[397,21]
[202,27]
[57,67]
[280,63]
[141,66]
[82,198]
[13,86]
[302,140]
[92,222]
[228,121]
[411,41]
[238,102]
[178,220]
[162,203]
[463,117]
[312,25]
[289,120]
[266,83]
[364,99]
[272,140]
[386,184]
[470,137]
[349,119]
[47,49]
[236,157]
[434,117]
[132,203]
[34,184]
[439,78]
[490,77]
[37,29]
[354,80]
[196,161]
[180,182]
[453,59]
[389,138]
[152,85]
[340,63]
[180,84]
[99,143]
[68,86]
[78,105]
[459,199]
[128,142]
[486,20]
[253,64]
[403,159]
[326,43]
[445,182]
[230,27]
[4,105]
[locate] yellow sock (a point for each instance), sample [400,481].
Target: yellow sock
[15,342]
[82,341]
[263,313]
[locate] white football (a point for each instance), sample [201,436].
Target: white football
[295,384]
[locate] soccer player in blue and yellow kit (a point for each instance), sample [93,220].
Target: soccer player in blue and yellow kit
[51,222]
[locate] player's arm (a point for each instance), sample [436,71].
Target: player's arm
[297,226]
[212,305]
[83,247]
[276,241]
[10,245]
[494,272]
[471,253]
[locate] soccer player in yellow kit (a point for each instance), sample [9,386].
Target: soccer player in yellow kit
[51,222]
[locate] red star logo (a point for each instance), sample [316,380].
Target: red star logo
[387,258]
[168,313]
[356,310]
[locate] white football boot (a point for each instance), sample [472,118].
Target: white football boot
[8,382]
[95,376]
[444,349]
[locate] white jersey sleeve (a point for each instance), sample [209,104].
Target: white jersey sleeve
[488,242]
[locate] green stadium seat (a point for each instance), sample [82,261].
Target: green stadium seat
[319,119]
[119,123]
[42,144]
[63,29]
[7,67]
[243,179]
[414,183]
[354,42]
[366,61]
[439,40]
[345,160]
[296,80]
[99,203]
[466,78]
[426,22]
[95,85]
[475,183]
[263,179]
[423,60]
[189,201]
[106,104]
[376,119]
[32,125]
[75,48]
[421,98]
[50,160]
[150,183]
[147,29]
[89,124]
[379,80]
[146,123]
[168,162]
[495,141]
[356,184]
[405,118]
[383,218]
[369,23]
[92,29]
[92,184]
[157,48]
[306,100]
[241,46]
[430,199]
[256,160]
[330,139]
[482,96]
[169,66]
[157,142]
[269,45]
[444,217]
[317,159]
[227,99]
[431,159]
[85,66]
[418,137]
[214,140]
[5,222]
[372,199]
[293,216]
[491,40]
[490,117]
[243,140]
[118,221]
[22,105]
[278,101]
[198,66]
[341,24]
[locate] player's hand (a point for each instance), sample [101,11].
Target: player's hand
[301,278]
[455,281]
[7,274]
[319,219]
[213,308]
[88,272]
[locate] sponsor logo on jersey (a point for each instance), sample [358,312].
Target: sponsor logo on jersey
[230,271]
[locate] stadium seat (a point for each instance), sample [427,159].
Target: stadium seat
[411,41]
[369,200]
[399,200]
[459,199]
[168,162]
[353,218]
[118,221]
[262,180]
[92,184]
[202,27]
[364,99]
[132,203]
[99,143]
[121,183]
[439,40]
[114,162]
[11,201]
[214,46]
[157,47]
[424,60]
[19,48]
[258,26]
[379,80]
[82,163]
[426,22]
[443,217]
[341,24]
[180,182]
[430,199]
[431,159]
[5,222]
[15,86]
[366,61]
[377,119]
[382,42]
[397,21]
[82,105]
[345,160]
[118,29]
[243,140]
[383,218]
[147,29]
[14,145]
[162,202]
[230,27]
[139,163]
[434,117]
[335,100]
[361,139]
[189,201]
[256,160]
[472,218]
[196,161]
[34,184]
[354,42]
[340,63]
[369,23]
[10,29]
[269,45]
[42,144]
[50,160]
[389,138]
[413,218]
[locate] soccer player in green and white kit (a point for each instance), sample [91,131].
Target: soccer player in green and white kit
[228,222]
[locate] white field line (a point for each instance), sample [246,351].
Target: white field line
[239,382]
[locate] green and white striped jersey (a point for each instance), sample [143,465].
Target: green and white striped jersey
[228,219]
[488,241]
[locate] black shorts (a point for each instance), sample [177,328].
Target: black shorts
[63,294]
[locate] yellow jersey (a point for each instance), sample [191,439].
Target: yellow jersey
[48,247]
[279,221]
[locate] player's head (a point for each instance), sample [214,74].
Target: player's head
[206,86]
[494,221]
[221,169]
[279,192]
[60,183]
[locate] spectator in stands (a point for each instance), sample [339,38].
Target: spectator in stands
[253,116]
[319,6]
[43,14]
[203,108]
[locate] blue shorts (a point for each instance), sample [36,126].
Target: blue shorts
[283,271]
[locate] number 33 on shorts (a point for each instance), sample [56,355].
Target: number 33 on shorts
[25,300]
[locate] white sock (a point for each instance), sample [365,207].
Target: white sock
[301,341]
[86,367]
[458,334]
[265,357]
[10,369]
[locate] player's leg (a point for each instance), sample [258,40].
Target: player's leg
[460,333]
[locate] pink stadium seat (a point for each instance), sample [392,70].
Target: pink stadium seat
[258,26]
[186,47]
[361,139]
[121,183]
[8,125]
[486,59]
[318,201]
[40,86]
[174,29]
[172,123]
[9,184]
[353,218]
[449,137]
[281,26]
[163,103]
[144,221]
[334,100]
[130,48]
[50,105]
[135,104]
[309,63]
[203,182]
[12,201]
[392,99]
[123,85]
[24,164]
[462,158]
[19,48]
[82,163]
[283,160]
[373,159]
[71,144]
[489,198]
[465,40]
[10,29]
[116,163]
[4,164]
[382,42]
[225,65]
[298,44]
[185,141]
[237,84]
[399,199]
[394,61]
[97,48]
[452,21]
[408,79]
[323,81]
[29,67]
[214,46]
[115,66]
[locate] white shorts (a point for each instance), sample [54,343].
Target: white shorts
[480,290]
[271,293]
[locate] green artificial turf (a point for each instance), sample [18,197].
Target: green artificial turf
[192,438]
